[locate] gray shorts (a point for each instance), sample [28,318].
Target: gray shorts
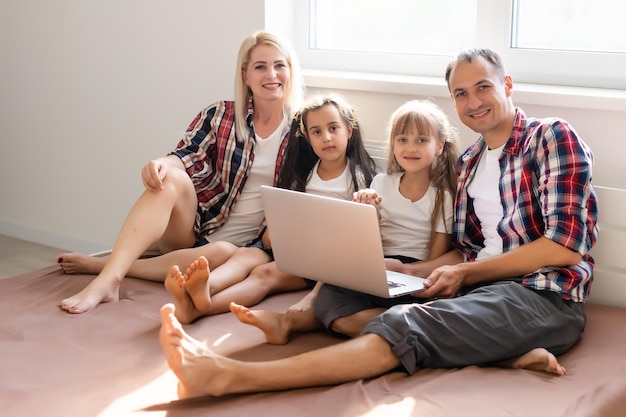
[490,323]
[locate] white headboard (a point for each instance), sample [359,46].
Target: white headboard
[609,252]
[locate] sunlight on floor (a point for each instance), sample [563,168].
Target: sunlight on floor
[402,408]
[221,339]
[158,391]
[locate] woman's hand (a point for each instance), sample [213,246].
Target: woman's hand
[153,173]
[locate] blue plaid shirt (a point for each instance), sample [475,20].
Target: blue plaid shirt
[218,163]
[546,190]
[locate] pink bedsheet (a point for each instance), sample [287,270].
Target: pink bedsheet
[109,363]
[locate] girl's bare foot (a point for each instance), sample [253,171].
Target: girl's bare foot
[186,311]
[79,263]
[305,303]
[98,291]
[538,359]
[194,364]
[270,323]
[197,284]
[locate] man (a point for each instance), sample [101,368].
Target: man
[515,281]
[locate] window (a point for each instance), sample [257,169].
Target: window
[562,42]
[583,26]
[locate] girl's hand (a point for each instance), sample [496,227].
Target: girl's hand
[306,303]
[367,196]
[153,173]
[265,239]
[392,264]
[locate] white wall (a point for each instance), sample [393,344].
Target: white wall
[92,90]
[601,129]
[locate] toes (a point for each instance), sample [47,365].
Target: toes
[166,311]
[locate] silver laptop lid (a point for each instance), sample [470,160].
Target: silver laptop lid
[326,239]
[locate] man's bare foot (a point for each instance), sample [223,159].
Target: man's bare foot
[186,311]
[98,291]
[194,364]
[197,284]
[272,324]
[79,263]
[538,359]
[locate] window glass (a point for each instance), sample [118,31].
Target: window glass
[398,27]
[557,42]
[569,25]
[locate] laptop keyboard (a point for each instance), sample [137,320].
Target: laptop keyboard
[392,284]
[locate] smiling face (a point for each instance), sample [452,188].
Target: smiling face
[267,74]
[482,98]
[328,133]
[415,151]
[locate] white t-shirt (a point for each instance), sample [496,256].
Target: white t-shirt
[246,216]
[340,187]
[485,191]
[405,225]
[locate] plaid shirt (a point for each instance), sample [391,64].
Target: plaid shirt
[218,163]
[545,188]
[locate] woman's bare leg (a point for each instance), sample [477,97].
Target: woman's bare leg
[151,268]
[80,263]
[166,217]
[202,372]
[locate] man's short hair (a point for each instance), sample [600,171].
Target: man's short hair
[469,54]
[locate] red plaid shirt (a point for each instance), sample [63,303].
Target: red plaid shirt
[218,163]
[546,190]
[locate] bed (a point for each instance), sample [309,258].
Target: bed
[109,362]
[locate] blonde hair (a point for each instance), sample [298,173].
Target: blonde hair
[243,94]
[426,117]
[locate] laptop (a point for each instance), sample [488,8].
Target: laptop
[333,241]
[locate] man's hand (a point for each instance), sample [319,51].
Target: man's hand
[444,282]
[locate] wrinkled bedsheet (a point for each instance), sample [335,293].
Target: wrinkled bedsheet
[108,362]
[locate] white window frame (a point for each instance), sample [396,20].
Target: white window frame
[572,79]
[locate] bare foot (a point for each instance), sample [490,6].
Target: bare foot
[270,323]
[79,263]
[538,359]
[194,364]
[186,311]
[93,294]
[197,283]
[305,303]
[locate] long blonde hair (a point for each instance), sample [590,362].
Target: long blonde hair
[427,118]
[243,94]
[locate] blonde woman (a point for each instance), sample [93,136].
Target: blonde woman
[206,191]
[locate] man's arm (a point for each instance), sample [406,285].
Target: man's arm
[446,281]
